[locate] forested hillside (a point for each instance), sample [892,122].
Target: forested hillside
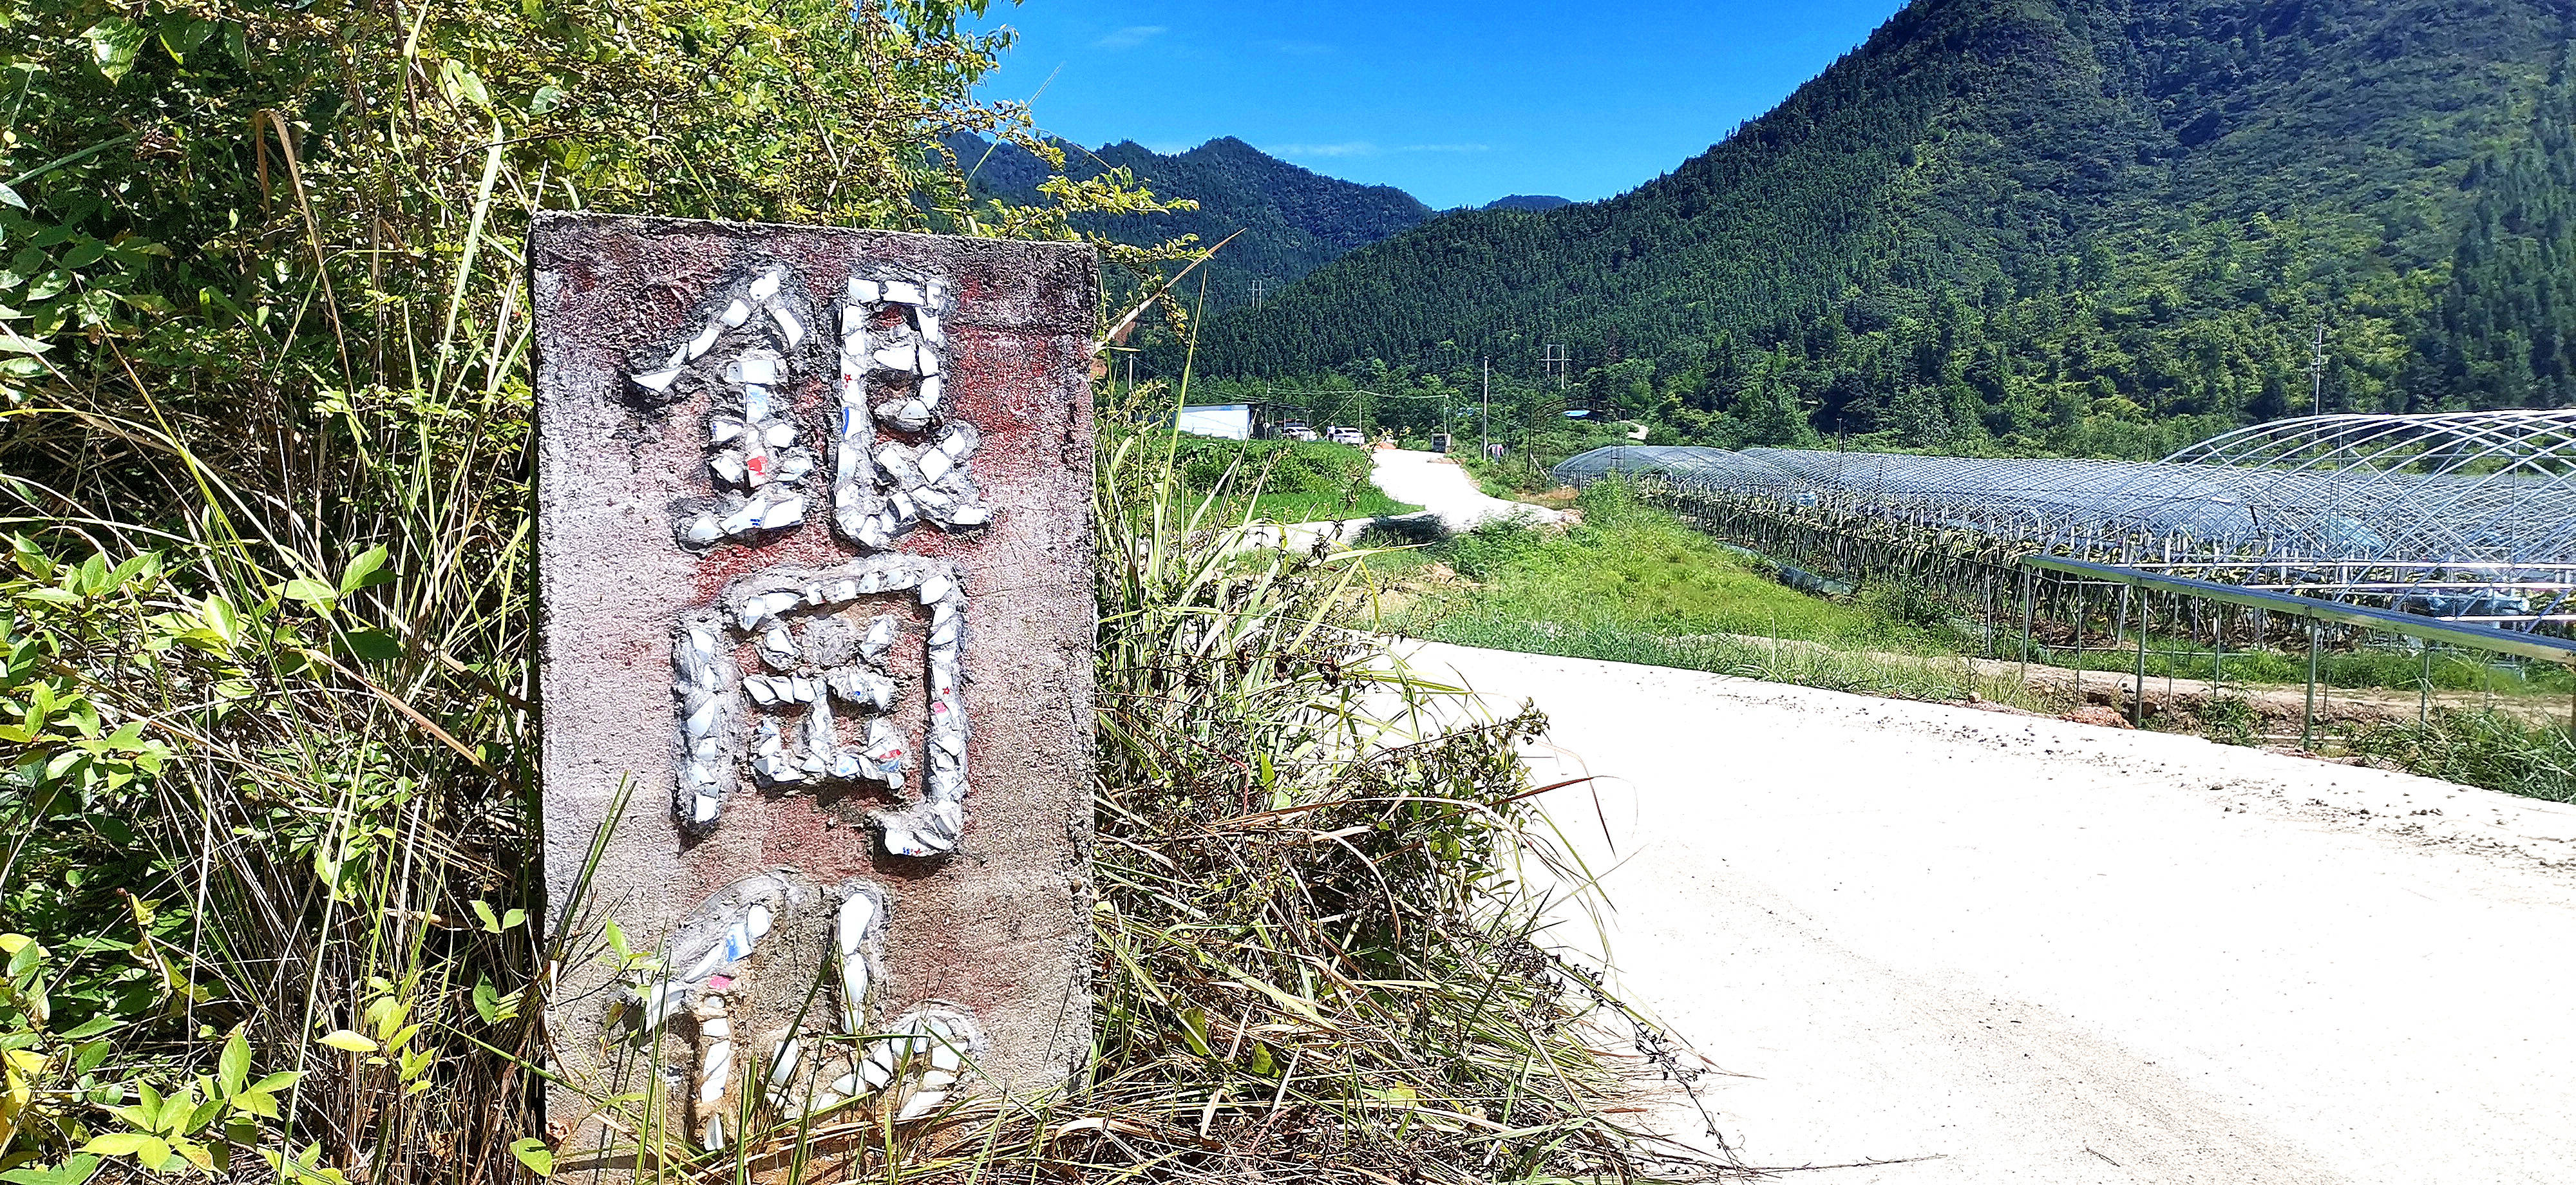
[2036,224]
[1293,220]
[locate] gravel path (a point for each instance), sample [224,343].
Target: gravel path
[1994,948]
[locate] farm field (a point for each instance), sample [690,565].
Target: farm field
[1630,583]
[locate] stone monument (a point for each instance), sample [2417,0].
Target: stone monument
[815,553]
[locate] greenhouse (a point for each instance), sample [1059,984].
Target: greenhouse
[2464,515]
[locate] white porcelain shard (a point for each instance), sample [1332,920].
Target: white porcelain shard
[879,639]
[970,516]
[866,291]
[659,382]
[787,512]
[778,646]
[902,292]
[768,284]
[935,464]
[788,326]
[703,530]
[850,924]
[935,589]
[703,809]
[901,358]
[735,314]
[747,519]
[782,1070]
[705,340]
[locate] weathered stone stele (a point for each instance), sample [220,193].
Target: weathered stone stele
[815,556]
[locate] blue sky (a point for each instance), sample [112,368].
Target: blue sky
[1457,103]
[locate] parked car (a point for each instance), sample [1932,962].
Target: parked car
[1349,436]
[1294,430]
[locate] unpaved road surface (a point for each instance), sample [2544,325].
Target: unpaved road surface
[1442,489]
[1995,948]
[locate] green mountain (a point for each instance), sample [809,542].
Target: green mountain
[1293,220]
[2014,222]
[1533,202]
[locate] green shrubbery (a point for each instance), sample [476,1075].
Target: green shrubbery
[1279,466]
[1286,481]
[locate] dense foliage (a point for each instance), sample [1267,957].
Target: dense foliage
[2072,225]
[1292,220]
[269,880]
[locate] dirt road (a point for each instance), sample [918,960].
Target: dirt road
[2005,949]
[1442,489]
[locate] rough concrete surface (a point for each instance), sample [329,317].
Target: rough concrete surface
[1002,926]
[1995,948]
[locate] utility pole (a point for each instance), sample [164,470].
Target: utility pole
[1556,356]
[1260,286]
[2317,373]
[1485,426]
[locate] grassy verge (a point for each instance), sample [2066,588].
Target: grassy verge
[1632,584]
[1283,481]
[1513,477]
[1630,570]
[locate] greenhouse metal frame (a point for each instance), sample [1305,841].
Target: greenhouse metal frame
[2464,516]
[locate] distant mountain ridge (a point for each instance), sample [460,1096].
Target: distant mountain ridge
[2018,218]
[1293,220]
[1534,203]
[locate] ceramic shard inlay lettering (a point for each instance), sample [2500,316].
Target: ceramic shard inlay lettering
[747,945]
[838,480]
[757,462]
[791,622]
[894,351]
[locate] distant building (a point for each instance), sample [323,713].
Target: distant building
[1226,421]
[1241,421]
